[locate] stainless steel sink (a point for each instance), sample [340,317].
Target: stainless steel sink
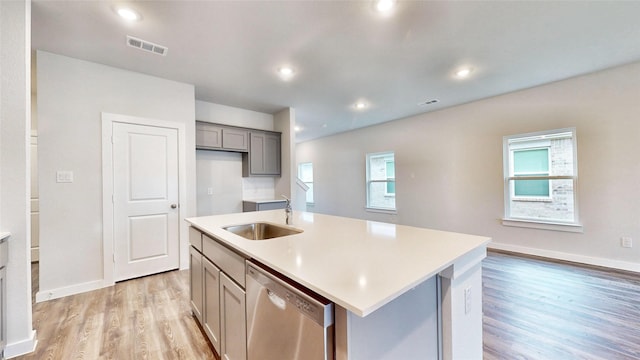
[261,231]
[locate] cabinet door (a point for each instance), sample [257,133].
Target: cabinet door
[196,282]
[235,139]
[208,136]
[233,320]
[272,154]
[264,154]
[211,311]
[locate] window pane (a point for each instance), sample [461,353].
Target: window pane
[305,172]
[379,166]
[531,161]
[533,188]
[378,197]
[391,187]
[391,170]
[560,207]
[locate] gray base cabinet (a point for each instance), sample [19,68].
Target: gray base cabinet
[211,315]
[218,296]
[262,206]
[233,321]
[195,280]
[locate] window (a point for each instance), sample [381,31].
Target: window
[305,173]
[381,181]
[540,174]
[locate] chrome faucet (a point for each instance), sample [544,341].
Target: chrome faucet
[288,211]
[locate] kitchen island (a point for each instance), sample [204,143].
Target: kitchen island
[399,291]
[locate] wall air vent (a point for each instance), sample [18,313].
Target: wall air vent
[428,102]
[147,46]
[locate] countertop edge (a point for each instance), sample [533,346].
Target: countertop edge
[4,235]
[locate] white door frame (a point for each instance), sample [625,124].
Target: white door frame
[107,185]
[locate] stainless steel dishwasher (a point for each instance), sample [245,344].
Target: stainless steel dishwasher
[285,321]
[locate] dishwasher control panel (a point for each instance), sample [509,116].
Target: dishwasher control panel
[320,311]
[302,304]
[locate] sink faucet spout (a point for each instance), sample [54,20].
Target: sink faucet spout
[288,211]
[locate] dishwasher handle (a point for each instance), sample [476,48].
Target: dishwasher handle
[316,308]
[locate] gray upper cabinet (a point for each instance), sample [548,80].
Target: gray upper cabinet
[208,136]
[220,137]
[235,139]
[264,154]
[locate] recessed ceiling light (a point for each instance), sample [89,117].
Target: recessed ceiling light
[463,72]
[384,5]
[286,72]
[360,105]
[297,128]
[128,14]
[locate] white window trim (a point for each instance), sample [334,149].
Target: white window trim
[571,226]
[368,207]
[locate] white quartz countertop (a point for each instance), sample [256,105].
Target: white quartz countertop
[360,265]
[265,201]
[4,235]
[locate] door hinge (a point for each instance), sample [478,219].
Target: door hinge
[112,199]
[114,258]
[113,142]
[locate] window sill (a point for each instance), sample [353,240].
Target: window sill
[381,211]
[532,224]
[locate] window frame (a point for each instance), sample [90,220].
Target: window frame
[307,182]
[532,141]
[369,181]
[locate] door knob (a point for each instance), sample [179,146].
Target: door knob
[173,206]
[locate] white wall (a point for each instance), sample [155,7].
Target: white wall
[72,94]
[449,166]
[15,107]
[222,171]
[285,122]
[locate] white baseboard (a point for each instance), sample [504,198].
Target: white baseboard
[583,259]
[21,347]
[44,295]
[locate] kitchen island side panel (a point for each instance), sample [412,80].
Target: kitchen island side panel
[406,328]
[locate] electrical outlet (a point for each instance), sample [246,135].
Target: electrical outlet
[467,300]
[626,242]
[64,176]
[209,191]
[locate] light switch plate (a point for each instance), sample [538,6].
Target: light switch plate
[64,176]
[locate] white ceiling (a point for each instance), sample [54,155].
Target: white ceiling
[343,51]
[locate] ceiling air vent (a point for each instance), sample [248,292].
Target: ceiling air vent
[146,46]
[428,102]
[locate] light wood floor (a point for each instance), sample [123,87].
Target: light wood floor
[536,309]
[533,310]
[145,318]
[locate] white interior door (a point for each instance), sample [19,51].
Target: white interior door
[145,200]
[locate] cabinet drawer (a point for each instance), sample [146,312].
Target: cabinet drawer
[227,260]
[195,238]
